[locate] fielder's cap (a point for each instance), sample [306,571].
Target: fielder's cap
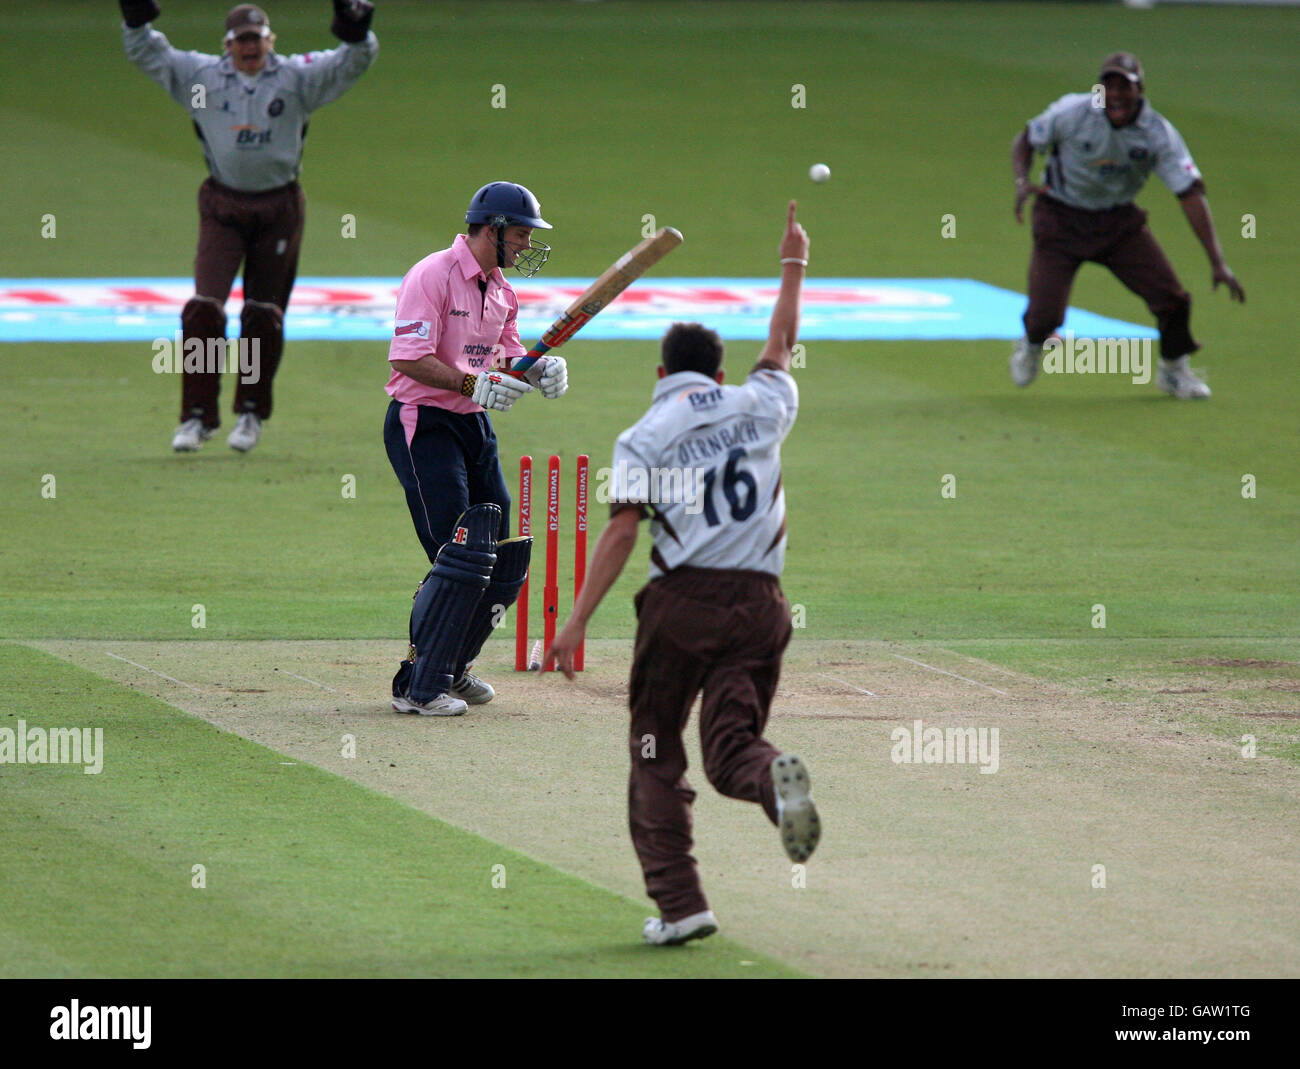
[1124,63]
[247,18]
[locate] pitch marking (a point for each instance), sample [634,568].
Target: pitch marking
[954,675]
[975,660]
[845,682]
[306,680]
[152,672]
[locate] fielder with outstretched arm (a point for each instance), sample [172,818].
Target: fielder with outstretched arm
[713,617]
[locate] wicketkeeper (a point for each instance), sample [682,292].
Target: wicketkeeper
[250,109]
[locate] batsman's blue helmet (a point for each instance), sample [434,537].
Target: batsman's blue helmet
[506,204]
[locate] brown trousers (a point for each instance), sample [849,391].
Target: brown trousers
[1119,239]
[263,231]
[722,632]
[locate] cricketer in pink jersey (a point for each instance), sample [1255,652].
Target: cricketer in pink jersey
[442,309]
[454,337]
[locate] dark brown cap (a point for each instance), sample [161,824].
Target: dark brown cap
[1124,63]
[247,18]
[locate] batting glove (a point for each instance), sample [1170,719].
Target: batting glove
[494,389]
[550,375]
[352,20]
[135,13]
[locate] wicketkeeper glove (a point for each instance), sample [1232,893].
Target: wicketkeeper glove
[136,13]
[495,389]
[351,20]
[550,375]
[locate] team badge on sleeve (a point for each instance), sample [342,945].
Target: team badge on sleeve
[411,327]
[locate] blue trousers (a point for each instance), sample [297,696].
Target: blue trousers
[445,461]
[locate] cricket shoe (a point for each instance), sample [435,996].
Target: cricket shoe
[796,816]
[442,705]
[1179,380]
[248,429]
[660,933]
[1025,361]
[190,436]
[473,690]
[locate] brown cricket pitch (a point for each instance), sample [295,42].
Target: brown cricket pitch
[923,870]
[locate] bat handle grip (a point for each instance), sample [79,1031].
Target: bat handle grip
[523,363]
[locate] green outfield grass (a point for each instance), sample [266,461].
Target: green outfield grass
[304,873]
[1074,493]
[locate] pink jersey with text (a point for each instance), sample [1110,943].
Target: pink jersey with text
[447,306]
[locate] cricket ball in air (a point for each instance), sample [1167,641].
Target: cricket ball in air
[819,172]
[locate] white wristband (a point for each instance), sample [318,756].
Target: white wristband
[794,260]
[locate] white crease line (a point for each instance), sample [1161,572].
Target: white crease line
[306,680]
[846,683]
[975,660]
[954,675]
[152,672]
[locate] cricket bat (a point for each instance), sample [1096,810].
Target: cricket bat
[617,277]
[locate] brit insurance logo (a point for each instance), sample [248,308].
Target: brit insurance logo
[418,328]
[249,136]
[704,398]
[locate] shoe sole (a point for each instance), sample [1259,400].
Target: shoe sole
[800,826]
[702,932]
[402,705]
[1185,396]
